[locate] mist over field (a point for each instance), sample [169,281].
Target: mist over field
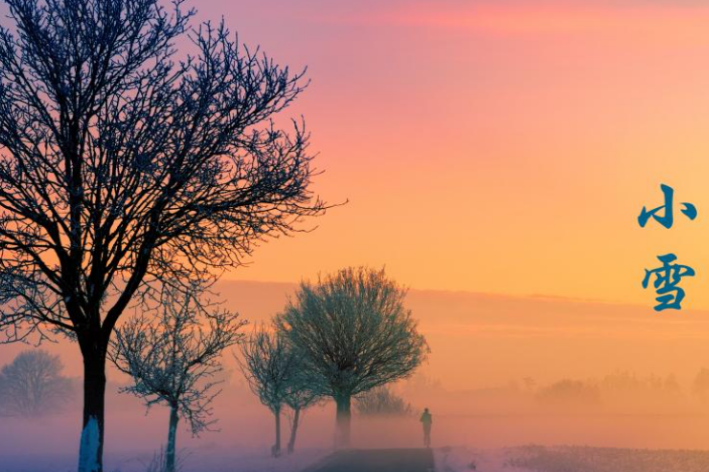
[502,372]
[539,155]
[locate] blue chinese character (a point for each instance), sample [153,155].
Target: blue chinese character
[666,219]
[666,279]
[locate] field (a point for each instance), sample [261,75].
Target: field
[570,458]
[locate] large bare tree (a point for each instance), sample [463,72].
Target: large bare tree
[354,334]
[33,385]
[174,357]
[122,164]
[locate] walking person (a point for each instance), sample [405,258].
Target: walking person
[426,421]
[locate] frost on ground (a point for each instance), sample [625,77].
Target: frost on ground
[525,458]
[473,459]
[254,460]
[222,459]
[569,458]
[203,459]
[536,458]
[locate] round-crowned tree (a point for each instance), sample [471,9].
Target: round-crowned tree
[33,385]
[354,334]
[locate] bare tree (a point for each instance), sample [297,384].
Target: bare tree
[32,385]
[300,395]
[122,164]
[269,365]
[173,359]
[354,334]
[381,401]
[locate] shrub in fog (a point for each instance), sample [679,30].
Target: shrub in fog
[381,401]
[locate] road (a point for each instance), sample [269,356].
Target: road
[398,459]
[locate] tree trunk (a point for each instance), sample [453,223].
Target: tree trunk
[343,420]
[171,440]
[91,447]
[293,431]
[276,450]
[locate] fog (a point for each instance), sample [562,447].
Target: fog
[502,371]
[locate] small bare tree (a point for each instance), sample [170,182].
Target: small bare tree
[354,334]
[269,366]
[32,385]
[173,360]
[300,395]
[123,163]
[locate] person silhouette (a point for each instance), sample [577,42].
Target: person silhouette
[426,420]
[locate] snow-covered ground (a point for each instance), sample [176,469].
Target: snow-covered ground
[216,459]
[254,460]
[460,458]
[470,459]
[569,458]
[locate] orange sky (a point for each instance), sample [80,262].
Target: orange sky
[496,146]
[492,146]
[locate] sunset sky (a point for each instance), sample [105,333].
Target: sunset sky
[496,146]
[494,156]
